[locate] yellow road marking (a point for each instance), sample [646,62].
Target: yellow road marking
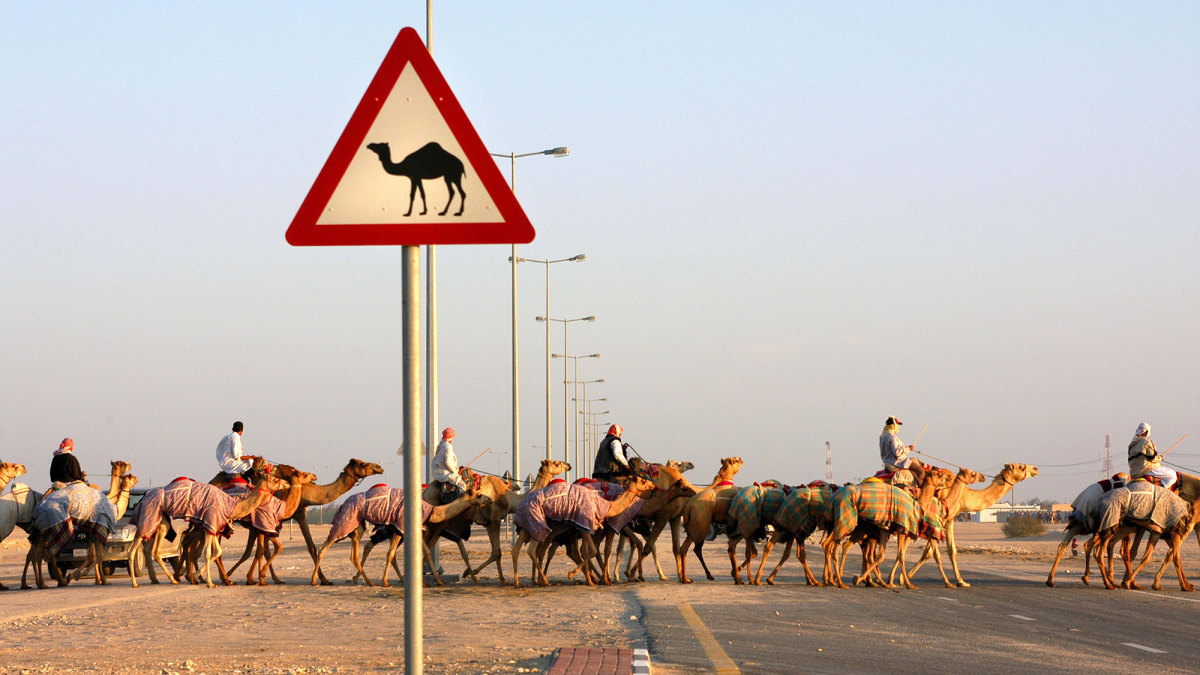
[722,664]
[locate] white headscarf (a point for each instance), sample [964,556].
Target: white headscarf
[1143,427]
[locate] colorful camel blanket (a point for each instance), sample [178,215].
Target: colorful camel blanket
[805,510]
[75,507]
[173,500]
[210,508]
[575,504]
[611,491]
[886,506]
[269,514]
[933,520]
[752,508]
[380,505]
[1141,501]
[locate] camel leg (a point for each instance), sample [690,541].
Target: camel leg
[250,542]
[96,551]
[516,552]
[1174,555]
[301,519]
[589,551]
[536,553]
[211,546]
[700,556]
[160,534]
[802,556]
[649,547]
[681,560]
[1072,532]
[320,553]
[391,556]
[254,546]
[1127,555]
[770,544]
[952,551]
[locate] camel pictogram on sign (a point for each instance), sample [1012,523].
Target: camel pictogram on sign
[429,162]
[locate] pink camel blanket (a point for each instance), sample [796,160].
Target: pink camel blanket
[575,504]
[75,506]
[610,491]
[1141,501]
[269,514]
[173,500]
[380,505]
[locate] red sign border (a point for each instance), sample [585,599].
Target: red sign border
[515,227]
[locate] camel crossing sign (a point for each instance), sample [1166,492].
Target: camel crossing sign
[409,169]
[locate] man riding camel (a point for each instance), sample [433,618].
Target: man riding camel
[895,454]
[1144,459]
[611,460]
[445,469]
[230,455]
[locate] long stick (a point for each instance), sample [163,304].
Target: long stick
[920,434]
[478,456]
[1173,446]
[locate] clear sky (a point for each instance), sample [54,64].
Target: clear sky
[799,218]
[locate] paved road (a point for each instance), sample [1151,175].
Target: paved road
[1007,622]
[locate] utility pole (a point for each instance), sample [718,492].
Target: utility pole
[828,463]
[1106,466]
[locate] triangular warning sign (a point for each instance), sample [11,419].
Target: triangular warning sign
[409,169]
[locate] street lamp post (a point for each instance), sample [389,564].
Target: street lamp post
[566,378]
[579,258]
[576,382]
[588,440]
[516,445]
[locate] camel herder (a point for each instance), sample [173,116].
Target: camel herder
[64,467]
[1144,459]
[445,469]
[611,461]
[895,454]
[230,455]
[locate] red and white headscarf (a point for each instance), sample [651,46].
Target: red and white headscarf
[67,445]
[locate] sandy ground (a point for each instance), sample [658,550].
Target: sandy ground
[297,628]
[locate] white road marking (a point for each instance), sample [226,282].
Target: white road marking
[1143,648]
[1029,576]
[1022,618]
[942,597]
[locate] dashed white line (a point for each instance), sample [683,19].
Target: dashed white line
[1022,618]
[942,597]
[1143,648]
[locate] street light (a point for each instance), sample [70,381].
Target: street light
[566,417]
[588,440]
[579,258]
[516,445]
[576,382]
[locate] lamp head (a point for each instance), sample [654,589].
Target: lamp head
[579,258]
[557,152]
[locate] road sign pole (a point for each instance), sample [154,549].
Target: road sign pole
[413,581]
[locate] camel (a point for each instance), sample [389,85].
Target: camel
[753,508]
[264,524]
[578,504]
[120,502]
[318,495]
[876,510]
[56,518]
[9,471]
[971,501]
[505,500]
[429,162]
[1154,509]
[804,510]
[661,509]
[195,501]
[16,508]
[709,505]
[383,505]
[1084,514]
[119,469]
[670,488]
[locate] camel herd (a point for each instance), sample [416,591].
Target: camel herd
[585,518]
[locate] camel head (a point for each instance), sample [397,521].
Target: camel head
[940,478]
[10,470]
[120,468]
[553,467]
[380,149]
[682,465]
[293,475]
[1015,473]
[358,469]
[128,481]
[729,468]
[639,485]
[968,476]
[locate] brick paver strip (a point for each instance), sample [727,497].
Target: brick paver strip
[592,660]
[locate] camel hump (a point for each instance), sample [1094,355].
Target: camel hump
[432,156]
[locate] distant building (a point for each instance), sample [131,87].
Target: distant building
[1000,512]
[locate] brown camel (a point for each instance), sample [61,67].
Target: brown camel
[1116,520]
[119,469]
[971,501]
[663,508]
[709,505]
[264,523]
[388,510]
[1084,515]
[634,489]
[220,514]
[319,495]
[753,509]
[804,511]
[120,503]
[9,471]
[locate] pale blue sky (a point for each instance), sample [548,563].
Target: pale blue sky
[799,218]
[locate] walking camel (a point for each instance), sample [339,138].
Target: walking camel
[971,501]
[9,471]
[265,521]
[1154,509]
[708,506]
[429,162]
[1085,513]
[804,510]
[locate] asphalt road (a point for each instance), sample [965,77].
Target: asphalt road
[1008,621]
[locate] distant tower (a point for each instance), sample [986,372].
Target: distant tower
[1106,469]
[828,463]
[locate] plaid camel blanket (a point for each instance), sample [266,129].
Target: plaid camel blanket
[380,505]
[69,509]
[805,510]
[1141,501]
[884,505]
[754,507]
[575,504]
